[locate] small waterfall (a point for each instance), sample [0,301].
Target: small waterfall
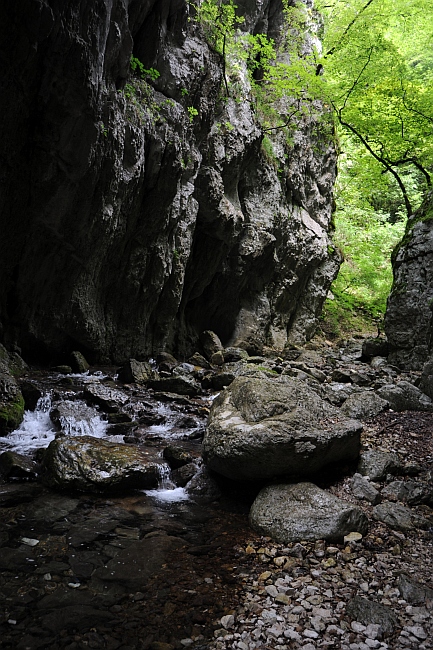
[79,423]
[167,490]
[165,482]
[35,431]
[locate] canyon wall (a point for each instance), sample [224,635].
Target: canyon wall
[408,320]
[136,213]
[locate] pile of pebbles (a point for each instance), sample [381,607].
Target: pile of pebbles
[372,592]
[353,596]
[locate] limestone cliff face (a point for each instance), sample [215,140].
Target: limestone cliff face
[409,315]
[129,225]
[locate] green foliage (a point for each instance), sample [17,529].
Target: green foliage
[366,238]
[219,21]
[379,80]
[11,414]
[138,69]
[192,112]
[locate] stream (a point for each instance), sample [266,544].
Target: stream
[61,551]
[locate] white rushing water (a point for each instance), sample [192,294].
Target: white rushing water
[167,490]
[36,431]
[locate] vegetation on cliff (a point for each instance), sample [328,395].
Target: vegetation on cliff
[365,67]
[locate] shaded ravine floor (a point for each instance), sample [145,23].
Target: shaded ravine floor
[184,564]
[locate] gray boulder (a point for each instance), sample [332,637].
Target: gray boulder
[260,428]
[404,396]
[413,591]
[110,400]
[79,362]
[369,612]
[179,384]
[74,417]
[363,489]
[426,379]
[85,463]
[210,343]
[15,466]
[288,513]
[138,372]
[399,517]
[362,406]
[413,492]
[378,464]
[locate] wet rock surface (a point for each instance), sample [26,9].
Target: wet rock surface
[290,513]
[261,428]
[133,571]
[132,227]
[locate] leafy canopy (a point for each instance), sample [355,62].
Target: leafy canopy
[369,61]
[378,77]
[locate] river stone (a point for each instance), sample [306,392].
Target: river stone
[17,466]
[197,360]
[210,343]
[179,384]
[73,416]
[31,394]
[362,489]
[404,396]
[413,492]
[79,362]
[362,406]
[138,372]
[51,507]
[368,612]
[413,591]
[259,428]
[398,517]
[110,400]
[378,464]
[176,456]
[290,513]
[13,494]
[87,463]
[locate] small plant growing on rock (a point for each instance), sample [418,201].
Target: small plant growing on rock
[192,112]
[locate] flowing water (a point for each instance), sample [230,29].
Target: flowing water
[76,419]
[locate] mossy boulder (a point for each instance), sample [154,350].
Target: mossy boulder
[11,404]
[260,428]
[85,463]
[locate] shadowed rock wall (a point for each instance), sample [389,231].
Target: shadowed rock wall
[408,320]
[125,226]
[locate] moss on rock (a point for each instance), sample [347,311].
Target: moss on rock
[11,413]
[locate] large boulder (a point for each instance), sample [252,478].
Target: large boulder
[85,463]
[11,403]
[260,428]
[290,513]
[404,396]
[364,405]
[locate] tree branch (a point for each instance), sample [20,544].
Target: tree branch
[380,159]
[349,26]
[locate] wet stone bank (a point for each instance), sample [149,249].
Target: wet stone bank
[176,564]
